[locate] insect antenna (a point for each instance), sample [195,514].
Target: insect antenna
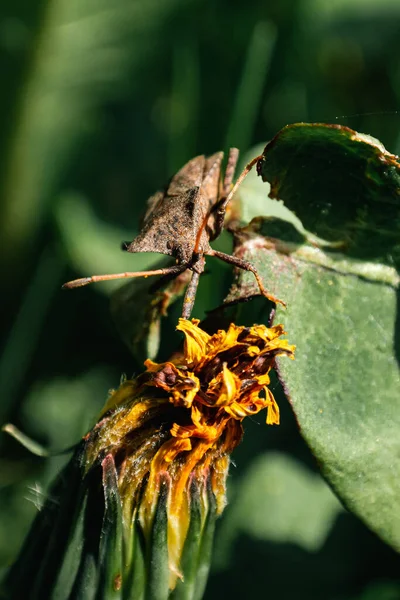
[174,270]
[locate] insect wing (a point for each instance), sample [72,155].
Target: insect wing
[174,216]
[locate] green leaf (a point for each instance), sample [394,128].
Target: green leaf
[344,385]
[252,194]
[343,185]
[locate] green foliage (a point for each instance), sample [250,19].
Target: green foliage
[90,539]
[344,186]
[345,385]
[103,102]
[83,56]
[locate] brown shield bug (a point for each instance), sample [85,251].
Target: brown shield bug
[182,220]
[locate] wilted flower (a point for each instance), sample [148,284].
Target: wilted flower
[162,445]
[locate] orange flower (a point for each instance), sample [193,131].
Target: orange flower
[175,425]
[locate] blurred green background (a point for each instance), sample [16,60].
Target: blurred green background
[102,101]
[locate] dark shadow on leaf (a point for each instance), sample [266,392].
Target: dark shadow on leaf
[351,558]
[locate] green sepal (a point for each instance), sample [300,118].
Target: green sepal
[206,546]
[110,552]
[157,567]
[87,577]
[185,588]
[134,579]
[71,561]
[86,581]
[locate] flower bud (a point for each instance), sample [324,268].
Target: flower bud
[135,508]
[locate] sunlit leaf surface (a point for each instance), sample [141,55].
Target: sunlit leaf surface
[344,385]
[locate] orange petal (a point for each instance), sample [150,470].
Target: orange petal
[196,340]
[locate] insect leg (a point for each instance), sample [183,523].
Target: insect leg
[229,171]
[190,295]
[243,264]
[174,270]
[219,207]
